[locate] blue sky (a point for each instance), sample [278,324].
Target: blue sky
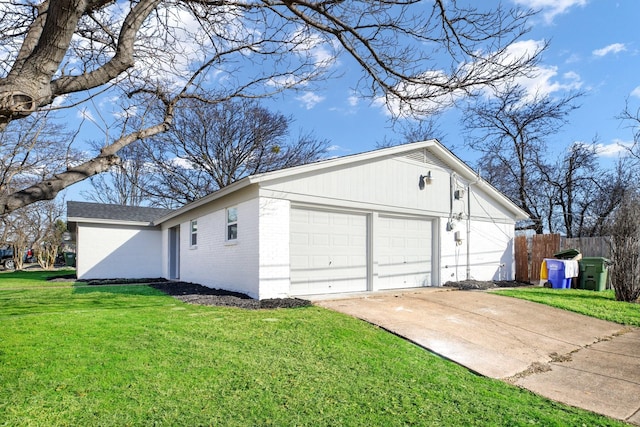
[594,47]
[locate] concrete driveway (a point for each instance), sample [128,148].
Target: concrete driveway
[567,357]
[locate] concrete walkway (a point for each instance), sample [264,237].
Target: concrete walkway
[567,357]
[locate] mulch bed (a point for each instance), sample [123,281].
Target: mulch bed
[194,293]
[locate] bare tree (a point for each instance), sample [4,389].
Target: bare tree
[573,180]
[211,146]
[36,227]
[625,249]
[631,118]
[510,131]
[31,150]
[417,130]
[601,196]
[411,53]
[125,183]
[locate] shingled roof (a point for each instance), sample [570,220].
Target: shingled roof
[101,211]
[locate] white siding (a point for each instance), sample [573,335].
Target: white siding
[482,206]
[490,248]
[111,251]
[385,185]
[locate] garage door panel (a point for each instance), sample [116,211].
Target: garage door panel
[404,252]
[336,251]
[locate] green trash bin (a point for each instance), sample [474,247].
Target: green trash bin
[593,273]
[567,254]
[70,259]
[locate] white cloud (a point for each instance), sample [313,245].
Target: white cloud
[181,163]
[282,82]
[636,92]
[551,8]
[86,114]
[58,101]
[310,100]
[127,112]
[315,47]
[547,81]
[422,98]
[614,149]
[543,80]
[612,48]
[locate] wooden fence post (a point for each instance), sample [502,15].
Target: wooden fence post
[522,259]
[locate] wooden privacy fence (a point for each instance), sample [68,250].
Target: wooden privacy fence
[530,251]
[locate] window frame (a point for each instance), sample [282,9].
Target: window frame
[231,225]
[193,233]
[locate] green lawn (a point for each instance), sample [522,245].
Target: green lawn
[128,355]
[31,279]
[602,305]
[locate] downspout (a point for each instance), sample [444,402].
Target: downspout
[452,179]
[469,231]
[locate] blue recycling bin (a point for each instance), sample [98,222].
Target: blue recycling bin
[556,274]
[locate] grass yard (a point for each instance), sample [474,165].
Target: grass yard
[30,279]
[602,305]
[129,355]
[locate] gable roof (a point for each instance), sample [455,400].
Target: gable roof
[434,147]
[101,212]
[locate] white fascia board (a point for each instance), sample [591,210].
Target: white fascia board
[81,220]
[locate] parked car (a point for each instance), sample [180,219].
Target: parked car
[6,258]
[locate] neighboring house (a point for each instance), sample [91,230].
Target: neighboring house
[407,216]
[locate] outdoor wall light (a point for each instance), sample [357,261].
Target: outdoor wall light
[424,180]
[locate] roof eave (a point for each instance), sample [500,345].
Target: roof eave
[84,220]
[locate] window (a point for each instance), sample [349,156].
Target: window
[232,223]
[194,232]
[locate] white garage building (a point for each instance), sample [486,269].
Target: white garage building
[407,216]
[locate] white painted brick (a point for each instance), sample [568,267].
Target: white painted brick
[274,248]
[112,251]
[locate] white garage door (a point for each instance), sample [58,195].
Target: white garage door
[328,252]
[404,249]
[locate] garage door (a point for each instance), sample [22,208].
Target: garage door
[404,248]
[328,252]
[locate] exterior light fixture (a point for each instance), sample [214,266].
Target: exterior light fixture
[424,180]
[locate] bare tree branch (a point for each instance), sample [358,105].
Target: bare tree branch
[412,54]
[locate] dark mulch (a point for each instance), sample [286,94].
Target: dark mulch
[468,285]
[193,293]
[63,278]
